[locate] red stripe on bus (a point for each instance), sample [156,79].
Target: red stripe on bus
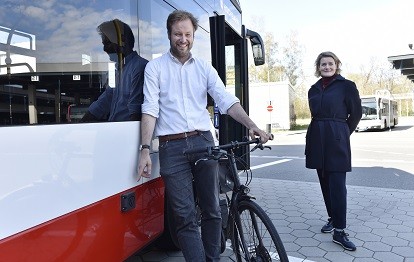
[98,232]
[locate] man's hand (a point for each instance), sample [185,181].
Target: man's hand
[264,137]
[144,164]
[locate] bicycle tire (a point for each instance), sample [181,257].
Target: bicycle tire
[261,237]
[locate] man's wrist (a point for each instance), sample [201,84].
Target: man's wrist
[144,146]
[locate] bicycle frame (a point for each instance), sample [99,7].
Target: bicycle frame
[239,193]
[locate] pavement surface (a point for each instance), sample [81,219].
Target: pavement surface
[380,223]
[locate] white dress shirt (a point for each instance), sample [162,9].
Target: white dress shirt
[176,94]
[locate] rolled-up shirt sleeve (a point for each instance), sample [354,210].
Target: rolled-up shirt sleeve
[151,90]
[218,92]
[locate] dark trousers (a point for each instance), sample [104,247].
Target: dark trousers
[333,185]
[180,172]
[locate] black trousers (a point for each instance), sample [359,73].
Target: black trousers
[333,185]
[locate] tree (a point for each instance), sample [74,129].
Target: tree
[292,59]
[271,71]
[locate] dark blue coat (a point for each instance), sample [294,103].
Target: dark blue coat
[336,111]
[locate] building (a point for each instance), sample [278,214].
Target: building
[271,105]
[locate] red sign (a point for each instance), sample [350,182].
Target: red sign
[270,108]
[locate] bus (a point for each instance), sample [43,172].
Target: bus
[378,113]
[69,190]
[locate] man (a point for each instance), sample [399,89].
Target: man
[123,102]
[175,90]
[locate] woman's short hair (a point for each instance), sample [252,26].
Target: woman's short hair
[181,15]
[327,54]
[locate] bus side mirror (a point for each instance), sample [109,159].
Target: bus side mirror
[257,47]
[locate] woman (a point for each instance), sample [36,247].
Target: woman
[335,107]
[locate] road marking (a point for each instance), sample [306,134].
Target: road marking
[270,164]
[290,157]
[382,152]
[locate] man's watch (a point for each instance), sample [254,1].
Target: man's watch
[144,147]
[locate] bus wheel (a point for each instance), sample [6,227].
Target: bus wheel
[168,240]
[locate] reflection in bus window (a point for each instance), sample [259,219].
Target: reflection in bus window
[51,57]
[123,95]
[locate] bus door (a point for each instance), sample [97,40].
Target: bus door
[229,57]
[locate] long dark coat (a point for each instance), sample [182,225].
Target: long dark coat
[336,111]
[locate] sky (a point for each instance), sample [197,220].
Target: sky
[357,31]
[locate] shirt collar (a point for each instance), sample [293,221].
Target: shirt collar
[177,61]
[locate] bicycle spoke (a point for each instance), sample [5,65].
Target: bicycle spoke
[261,239]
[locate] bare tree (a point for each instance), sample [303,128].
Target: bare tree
[292,58]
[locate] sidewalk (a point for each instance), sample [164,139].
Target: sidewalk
[380,223]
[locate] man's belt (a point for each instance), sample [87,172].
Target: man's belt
[177,136]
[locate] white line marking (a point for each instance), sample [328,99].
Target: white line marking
[292,157]
[270,164]
[382,152]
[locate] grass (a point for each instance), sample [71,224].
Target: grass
[301,124]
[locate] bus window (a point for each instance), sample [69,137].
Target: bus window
[49,64]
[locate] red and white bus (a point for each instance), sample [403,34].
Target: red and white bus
[68,190]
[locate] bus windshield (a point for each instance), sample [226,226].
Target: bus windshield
[369,108]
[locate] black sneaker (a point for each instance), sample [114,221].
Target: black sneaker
[341,238]
[328,227]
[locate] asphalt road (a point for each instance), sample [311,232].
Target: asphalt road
[379,158]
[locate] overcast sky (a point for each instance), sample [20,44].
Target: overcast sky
[358,31]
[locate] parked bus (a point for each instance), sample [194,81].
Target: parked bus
[378,112]
[69,190]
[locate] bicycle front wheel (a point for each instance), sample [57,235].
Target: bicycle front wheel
[254,237]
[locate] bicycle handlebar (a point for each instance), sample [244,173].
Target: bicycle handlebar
[231,145]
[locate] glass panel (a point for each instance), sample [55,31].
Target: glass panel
[369,108]
[51,56]
[153,29]
[230,69]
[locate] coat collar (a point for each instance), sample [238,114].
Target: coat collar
[318,83]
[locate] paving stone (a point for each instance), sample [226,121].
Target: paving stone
[388,257]
[339,256]
[400,228]
[377,246]
[296,225]
[375,225]
[307,242]
[384,232]
[380,223]
[315,251]
[367,237]
[365,259]
[404,251]
[394,241]
[407,236]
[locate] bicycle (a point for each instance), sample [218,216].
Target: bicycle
[251,232]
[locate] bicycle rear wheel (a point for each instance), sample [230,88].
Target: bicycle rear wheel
[255,238]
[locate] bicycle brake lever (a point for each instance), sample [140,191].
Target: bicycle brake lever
[268,147]
[254,148]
